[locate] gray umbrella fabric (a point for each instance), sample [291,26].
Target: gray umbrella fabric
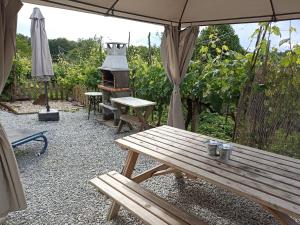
[41,59]
[176,52]
[12,196]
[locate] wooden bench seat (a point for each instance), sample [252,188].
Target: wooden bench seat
[147,206]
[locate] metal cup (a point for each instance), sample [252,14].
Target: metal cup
[225,152]
[212,147]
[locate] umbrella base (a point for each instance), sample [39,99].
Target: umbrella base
[52,115]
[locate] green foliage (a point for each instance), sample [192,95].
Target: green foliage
[60,46]
[21,67]
[23,45]
[286,144]
[80,65]
[150,81]
[213,39]
[215,125]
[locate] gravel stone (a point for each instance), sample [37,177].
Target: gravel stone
[57,189]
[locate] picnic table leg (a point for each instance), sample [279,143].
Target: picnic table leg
[121,122]
[282,218]
[94,104]
[127,172]
[143,118]
[90,106]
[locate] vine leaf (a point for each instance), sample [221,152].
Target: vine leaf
[283,41]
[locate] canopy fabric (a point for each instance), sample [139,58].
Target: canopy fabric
[176,51]
[12,197]
[185,12]
[41,58]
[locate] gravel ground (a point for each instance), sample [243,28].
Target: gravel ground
[25,107]
[56,185]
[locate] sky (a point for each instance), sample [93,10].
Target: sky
[75,25]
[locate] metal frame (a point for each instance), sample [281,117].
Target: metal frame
[35,137]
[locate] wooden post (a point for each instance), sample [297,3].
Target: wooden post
[127,172]
[128,40]
[149,49]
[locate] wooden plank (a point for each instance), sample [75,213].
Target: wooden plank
[277,181]
[145,203]
[235,152]
[251,154]
[127,172]
[283,159]
[281,217]
[190,219]
[256,195]
[259,153]
[212,166]
[264,170]
[123,200]
[234,157]
[149,173]
[132,102]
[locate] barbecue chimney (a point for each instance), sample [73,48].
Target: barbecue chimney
[115,79]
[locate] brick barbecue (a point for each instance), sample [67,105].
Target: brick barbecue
[115,79]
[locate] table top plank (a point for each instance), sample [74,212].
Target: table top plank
[217,168]
[236,152]
[278,181]
[282,159]
[133,102]
[244,161]
[231,185]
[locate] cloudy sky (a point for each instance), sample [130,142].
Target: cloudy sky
[74,25]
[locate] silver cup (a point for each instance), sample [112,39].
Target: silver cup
[225,152]
[212,147]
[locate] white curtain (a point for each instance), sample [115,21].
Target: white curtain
[176,50]
[12,196]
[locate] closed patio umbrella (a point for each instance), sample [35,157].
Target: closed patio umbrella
[41,58]
[12,197]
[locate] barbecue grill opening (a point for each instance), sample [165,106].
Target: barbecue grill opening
[108,78]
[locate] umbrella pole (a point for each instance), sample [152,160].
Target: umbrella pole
[46,96]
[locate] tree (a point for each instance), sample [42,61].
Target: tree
[23,45]
[216,36]
[59,46]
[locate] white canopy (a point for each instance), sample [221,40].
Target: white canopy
[185,12]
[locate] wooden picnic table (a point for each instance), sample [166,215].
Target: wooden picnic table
[142,108]
[271,180]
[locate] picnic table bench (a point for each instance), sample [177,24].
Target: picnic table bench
[271,180]
[140,118]
[144,204]
[22,136]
